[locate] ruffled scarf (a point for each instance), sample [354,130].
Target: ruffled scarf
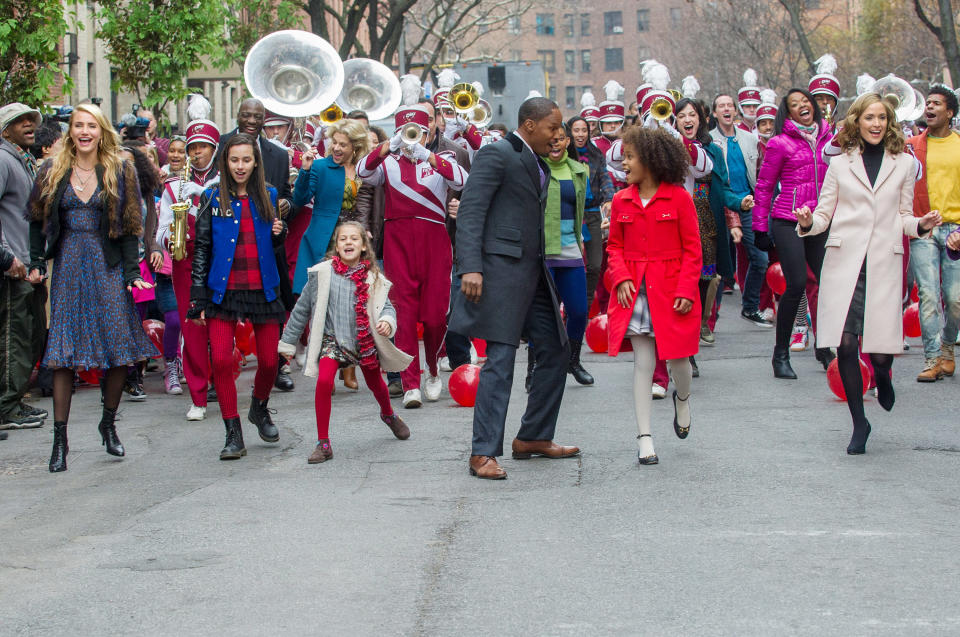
[366,348]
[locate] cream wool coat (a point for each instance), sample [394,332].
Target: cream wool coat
[391,358]
[864,223]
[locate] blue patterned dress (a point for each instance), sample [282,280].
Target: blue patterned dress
[93,322]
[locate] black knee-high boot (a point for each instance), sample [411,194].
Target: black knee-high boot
[848,364]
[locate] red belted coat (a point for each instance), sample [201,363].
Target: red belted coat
[660,244]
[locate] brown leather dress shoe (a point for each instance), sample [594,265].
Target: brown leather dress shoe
[486,467]
[526,449]
[349,377]
[397,426]
[322,453]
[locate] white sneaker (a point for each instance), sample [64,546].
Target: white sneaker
[196,413]
[769,314]
[432,388]
[444,365]
[798,340]
[658,392]
[411,399]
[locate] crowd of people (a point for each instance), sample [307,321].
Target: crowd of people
[338,245]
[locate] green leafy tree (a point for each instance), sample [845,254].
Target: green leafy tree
[153,45]
[249,20]
[30,34]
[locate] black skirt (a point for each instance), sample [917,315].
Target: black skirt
[854,322]
[251,305]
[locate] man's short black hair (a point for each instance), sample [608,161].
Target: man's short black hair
[949,97]
[45,136]
[358,114]
[536,109]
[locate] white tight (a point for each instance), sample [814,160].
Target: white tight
[644,361]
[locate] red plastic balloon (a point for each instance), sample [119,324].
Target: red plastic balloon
[911,320]
[90,376]
[914,294]
[836,385]
[463,384]
[238,360]
[596,334]
[481,346]
[775,279]
[244,338]
[154,330]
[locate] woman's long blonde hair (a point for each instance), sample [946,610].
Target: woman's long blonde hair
[355,132]
[849,138]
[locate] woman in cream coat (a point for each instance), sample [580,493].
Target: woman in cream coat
[866,205]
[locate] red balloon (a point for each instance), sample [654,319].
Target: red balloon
[154,330]
[481,346]
[238,360]
[244,338]
[90,376]
[911,320]
[914,294]
[596,334]
[463,384]
[836,385]
[775,279]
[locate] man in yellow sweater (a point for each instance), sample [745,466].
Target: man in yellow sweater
[937,276]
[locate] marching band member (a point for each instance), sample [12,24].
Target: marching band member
[766,114]
[462,132]
[203,136]
[825,88]
[416,248]
[748,98]
[612,113]
[590,113]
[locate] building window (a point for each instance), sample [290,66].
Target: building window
[643,52]
[812,4]
[612,22]
[613,59]
[643,19]
[585,89]
[483,27]
[545,24]
[569,61]
[584,24]
[585,61]
[548,60]
[676,16]
[516,55]
[570,96]
[513,24]
[552,93]
[568,25]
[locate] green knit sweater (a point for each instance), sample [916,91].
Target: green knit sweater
[565,168]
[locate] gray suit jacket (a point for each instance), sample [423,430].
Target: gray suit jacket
[500,235]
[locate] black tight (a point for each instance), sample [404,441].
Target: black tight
[796,253]
[63,390]
[848,363]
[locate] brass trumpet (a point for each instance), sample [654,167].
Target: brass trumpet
[464,97]
[331,114]
[178,229]
[661,109]
[411,134]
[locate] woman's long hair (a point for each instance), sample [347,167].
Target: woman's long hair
[355,132]
[108,156]
[703,132]
[367,253]
[256,186]
[849,138]
[594,154]
[783,113]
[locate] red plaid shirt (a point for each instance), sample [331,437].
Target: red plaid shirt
[245,271]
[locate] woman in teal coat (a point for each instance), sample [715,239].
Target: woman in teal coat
[333,185]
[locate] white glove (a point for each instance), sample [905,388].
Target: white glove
[192,189]
[396,142]
[650,122]
[419,152]
[667,126]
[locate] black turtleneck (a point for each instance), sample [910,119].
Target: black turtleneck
[872,158]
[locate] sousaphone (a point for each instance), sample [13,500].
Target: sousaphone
[371,87]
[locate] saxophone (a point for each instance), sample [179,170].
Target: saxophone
[178,229]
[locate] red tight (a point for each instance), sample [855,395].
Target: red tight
[221,350]
[327,371]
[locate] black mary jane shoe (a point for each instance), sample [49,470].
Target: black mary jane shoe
[647,460]
[682,432]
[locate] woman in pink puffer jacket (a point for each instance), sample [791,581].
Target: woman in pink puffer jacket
[793,159]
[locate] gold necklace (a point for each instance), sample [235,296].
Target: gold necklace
[83,182]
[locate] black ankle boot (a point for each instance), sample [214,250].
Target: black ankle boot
[283,382]
[233,447]
[108,432]
[885,394]
[825,355]
[858,441]
[781,364]
[531,367]
[580,375]
[260,416]
[58,457]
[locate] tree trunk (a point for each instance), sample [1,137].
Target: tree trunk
[793,8]
[318,18]
[946,33]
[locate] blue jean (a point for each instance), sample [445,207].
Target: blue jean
[758,265]
[938,285]
[571,285]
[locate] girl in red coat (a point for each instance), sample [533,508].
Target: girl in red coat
[654,267]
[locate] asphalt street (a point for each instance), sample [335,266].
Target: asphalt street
[757,524]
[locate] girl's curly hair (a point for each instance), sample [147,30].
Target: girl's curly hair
[665,157]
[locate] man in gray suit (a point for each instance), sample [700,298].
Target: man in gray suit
[506,290]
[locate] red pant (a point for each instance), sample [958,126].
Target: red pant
[418,258]
[196,357]
[327,372]
[222,344]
